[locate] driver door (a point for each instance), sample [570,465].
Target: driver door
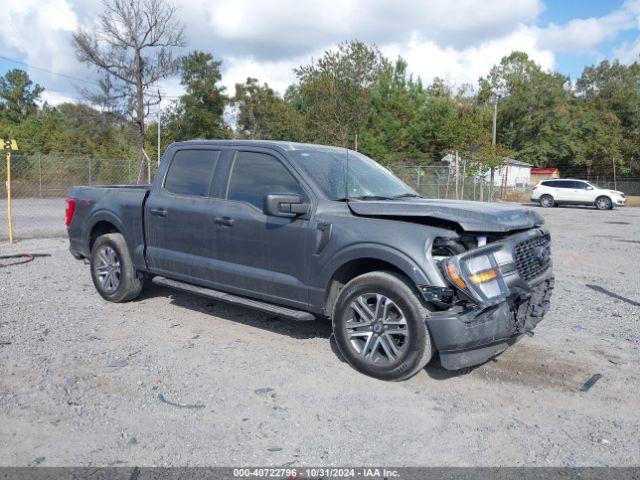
[263,256]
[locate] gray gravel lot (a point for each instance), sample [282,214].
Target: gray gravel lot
[33,218]
[173,379]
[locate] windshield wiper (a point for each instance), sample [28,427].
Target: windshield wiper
[407,195]
[377,197]
[370,197]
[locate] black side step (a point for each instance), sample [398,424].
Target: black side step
[290,313]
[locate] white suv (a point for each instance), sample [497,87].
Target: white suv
[550,193]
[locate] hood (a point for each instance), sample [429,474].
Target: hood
[471,216]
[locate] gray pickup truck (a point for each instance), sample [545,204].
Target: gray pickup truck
[305,231]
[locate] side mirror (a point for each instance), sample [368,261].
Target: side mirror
[286,205]
[589,187]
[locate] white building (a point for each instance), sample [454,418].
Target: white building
[517,173]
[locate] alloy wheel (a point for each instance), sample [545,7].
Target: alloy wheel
[377,328]
[108,269]
[603,203]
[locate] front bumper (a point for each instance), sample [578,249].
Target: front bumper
[472,334]
[619,201]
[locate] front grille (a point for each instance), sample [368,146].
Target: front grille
[533,257]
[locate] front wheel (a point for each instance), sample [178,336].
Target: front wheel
[604,203]
[379,326]
[546,201]
[112,269]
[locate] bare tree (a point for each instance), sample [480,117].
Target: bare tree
[132,47]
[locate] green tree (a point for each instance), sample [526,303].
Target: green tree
[534,110]
[334,93]
[395,128]
[613,88]
[18,95]
[601,141]
[262,114]
[199,112]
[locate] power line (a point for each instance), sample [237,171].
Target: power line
[93,82]
[71,77]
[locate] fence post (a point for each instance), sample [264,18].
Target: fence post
[9,213]
[89,170]
[40,174]
[129,166]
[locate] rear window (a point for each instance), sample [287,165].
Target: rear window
[191,172]
[559,184]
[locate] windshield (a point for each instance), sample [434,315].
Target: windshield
[367,179]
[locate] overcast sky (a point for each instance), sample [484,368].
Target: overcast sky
[455,39]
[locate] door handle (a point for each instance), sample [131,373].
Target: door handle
[159,212]
[227,221]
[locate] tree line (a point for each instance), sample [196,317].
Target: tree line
[354,97]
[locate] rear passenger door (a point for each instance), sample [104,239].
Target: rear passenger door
[563,190]
[263,256]
[179,216]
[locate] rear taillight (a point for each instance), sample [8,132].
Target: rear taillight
[71,209]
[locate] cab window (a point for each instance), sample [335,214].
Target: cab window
[191,172]
[255,175]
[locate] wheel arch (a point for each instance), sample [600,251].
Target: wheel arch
[363,259]
[100,223]
[608,196]
[101,227]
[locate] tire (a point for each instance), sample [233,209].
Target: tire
[365,344]
[603,203]
[112,269]
[547,201]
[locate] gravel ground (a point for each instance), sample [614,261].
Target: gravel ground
[172,379]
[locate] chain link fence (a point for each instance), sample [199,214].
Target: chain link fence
[443,182]
[629,185]
[40,182]
[39,185]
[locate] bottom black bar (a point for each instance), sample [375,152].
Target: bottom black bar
[294,473]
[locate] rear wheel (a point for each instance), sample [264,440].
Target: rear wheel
[379,326]
[546,201]
[112,269]
[603,203]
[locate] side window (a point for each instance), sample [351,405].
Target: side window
[551,183]
[564,184]
[256,175]
[191,172]
[580,185]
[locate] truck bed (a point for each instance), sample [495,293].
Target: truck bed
[119,205]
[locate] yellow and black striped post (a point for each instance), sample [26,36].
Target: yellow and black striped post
[9,145]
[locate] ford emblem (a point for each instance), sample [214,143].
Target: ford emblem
[543,255]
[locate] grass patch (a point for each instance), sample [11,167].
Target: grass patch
[633,201]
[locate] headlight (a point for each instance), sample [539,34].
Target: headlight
[478,275]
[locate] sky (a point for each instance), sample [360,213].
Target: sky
[458,40]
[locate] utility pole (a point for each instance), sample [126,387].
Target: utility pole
[158,139]
[457,174]
[615,183]
[493,142]
[495,120]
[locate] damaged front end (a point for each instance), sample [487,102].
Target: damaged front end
[500,290]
